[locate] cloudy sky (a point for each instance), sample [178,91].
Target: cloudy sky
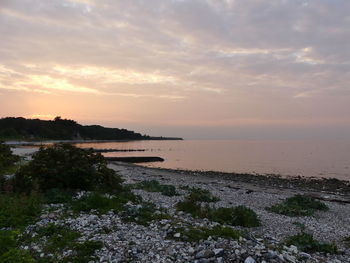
[192,68]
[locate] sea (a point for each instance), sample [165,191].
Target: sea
[309,158]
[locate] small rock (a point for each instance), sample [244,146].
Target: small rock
[304,255]
[249,260]
[218,252]
[177,235]
[205,254]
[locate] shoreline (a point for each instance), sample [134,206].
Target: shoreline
[326,226]
[274,181]
[48,142]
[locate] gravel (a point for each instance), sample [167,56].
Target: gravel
[130,242]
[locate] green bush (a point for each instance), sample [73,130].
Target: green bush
[305,242]
[7,240]
[84,252]
[347,241]
[155,186]
[193,208]
[15,255]
[57,196]
[98,202]
[7,159]
[17,211]
[235,216]
[195,234]
[143,213]
[298,205]
[66,167]
[8,248]
[201,195]
[55,239]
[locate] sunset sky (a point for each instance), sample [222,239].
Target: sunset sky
[241,69]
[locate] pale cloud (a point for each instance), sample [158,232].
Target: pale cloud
[221,59]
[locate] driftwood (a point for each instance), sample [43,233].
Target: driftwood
[135,159]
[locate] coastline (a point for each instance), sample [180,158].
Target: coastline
[273,181]
[331,226]
[48,142]
[165,239]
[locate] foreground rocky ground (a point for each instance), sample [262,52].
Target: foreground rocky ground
[163,240]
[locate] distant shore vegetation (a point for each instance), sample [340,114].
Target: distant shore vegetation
[12,128]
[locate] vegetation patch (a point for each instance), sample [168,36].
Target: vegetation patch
[155,186]
[201,195]
[195,234]
[193,208]
[7,158]
[129,206]
[9,252]
[236,216]
[54,240]
[18,211]
[298,205]
[347,241]
[143,213]
[306,242]
[102,203]
[15,255]
[66,167]
[83,252]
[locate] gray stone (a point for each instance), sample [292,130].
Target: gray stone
[219,252]
[205,254]
[249,260]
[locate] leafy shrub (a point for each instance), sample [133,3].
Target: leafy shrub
[305,242]
[57,196]
[84,252]
[98,202]
[155,186]
[298,205]
[15,255]
[102,203]
[236,216]
[193,208]
[347,241]
[17,211]
[195,234]
[143,213]
[64,166]
[7,240]
[201,195]
[7,159]
[8,248]
[55,239]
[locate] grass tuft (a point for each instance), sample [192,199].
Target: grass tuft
[201,195]
[155,186]
[195,234]
[235,216]
[306,242]
[17,211]
[298,205]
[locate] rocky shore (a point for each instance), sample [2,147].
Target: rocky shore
[163,240]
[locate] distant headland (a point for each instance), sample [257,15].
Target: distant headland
[22,129]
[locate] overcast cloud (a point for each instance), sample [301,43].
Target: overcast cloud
[212,68]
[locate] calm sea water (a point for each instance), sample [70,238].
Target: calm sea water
[306,158]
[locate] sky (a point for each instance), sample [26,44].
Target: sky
[198,69]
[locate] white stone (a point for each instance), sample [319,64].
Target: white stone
[249,260]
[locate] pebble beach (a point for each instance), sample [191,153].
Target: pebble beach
[131,242]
